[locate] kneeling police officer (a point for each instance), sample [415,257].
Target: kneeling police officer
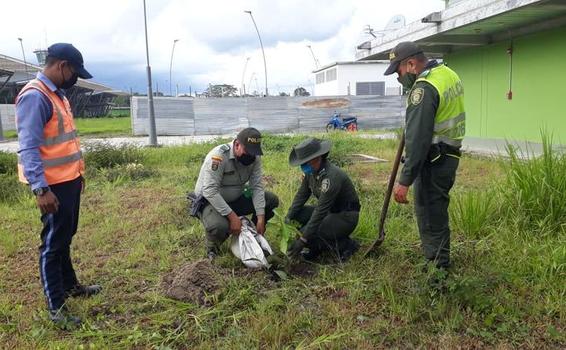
[328,225]
[229,186]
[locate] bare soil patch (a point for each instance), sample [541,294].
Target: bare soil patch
[193,282]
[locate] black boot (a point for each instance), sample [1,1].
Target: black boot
[347,249]
[83,291]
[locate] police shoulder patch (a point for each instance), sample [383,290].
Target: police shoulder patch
[215,161]
[416,96]
[325,185]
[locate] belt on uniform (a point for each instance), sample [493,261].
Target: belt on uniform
[437,150]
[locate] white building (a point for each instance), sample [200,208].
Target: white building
[355,78]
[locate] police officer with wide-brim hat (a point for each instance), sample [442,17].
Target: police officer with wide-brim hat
[308,150]
[327,225]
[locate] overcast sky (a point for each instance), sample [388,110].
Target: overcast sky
[215,37]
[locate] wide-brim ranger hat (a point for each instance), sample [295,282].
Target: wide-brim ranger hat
[308,150]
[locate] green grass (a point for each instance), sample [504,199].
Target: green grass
[505,291]
[120,125]
[108,126]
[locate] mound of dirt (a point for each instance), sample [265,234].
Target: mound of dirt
[327,103]
[192,282]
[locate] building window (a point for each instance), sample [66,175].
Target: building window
[331,74]
[370,88]
[320,78]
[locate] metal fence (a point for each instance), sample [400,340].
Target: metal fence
[8,117]
[217,116]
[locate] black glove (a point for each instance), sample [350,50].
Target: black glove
[296,247]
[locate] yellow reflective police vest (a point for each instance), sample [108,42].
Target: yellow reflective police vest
[450,119]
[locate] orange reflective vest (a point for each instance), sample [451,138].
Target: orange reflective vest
[60,151]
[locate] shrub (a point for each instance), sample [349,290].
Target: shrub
[100,155]
[273,144]
[10,188]
[131,171]
[8,163]
[535,187]
[343,146]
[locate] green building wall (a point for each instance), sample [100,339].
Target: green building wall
[538,86]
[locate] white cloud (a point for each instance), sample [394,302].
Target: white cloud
[215,36]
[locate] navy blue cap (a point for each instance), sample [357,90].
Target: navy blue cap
[69,53]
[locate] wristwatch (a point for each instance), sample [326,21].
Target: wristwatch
[41,191]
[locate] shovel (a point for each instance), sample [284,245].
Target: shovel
[392,177]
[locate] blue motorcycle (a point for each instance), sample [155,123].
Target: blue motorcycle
[342,123]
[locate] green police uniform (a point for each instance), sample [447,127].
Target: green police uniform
[435,126]
[328,225]
[227,185]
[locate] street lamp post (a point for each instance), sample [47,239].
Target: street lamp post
[316,64]
[262,51]
[242,86]
[250,82]
[152,132]
[23,54]
[171,67]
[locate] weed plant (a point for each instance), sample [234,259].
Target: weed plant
[473,212]
[535,188]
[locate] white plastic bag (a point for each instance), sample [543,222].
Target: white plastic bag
[249,245]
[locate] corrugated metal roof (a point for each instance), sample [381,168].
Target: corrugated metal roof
[471,23]
[343,63]
[26,71]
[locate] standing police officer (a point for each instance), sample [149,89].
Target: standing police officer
[50,161]
[435,127]
[328,225]
[230,183]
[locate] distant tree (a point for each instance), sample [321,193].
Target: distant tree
[284,94]
[301,91]
[221,90]
[122,101]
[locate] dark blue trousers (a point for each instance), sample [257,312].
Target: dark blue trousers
[55,266]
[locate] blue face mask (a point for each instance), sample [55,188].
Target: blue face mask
[307,169]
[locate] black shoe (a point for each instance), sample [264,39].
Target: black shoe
[310,254]
[63,319]
[83,291]
[349,251]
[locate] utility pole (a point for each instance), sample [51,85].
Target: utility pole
[262,51]
[152,131]
[242,86]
